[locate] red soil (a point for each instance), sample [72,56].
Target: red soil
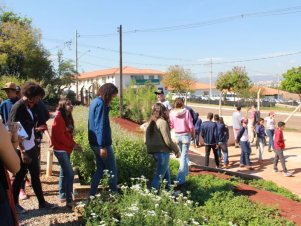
[288,209]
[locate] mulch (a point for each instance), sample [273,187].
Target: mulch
[288,209]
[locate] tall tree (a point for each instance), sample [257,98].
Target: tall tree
[292,81]
[64,77]
[178,79]
[21,53]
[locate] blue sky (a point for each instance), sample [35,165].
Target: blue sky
[224,31]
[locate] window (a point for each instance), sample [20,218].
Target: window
[103,80]
[151,77]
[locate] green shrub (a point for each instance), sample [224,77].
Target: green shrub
[139,102]
[136,205]
[224,208]
[130,151]
[203,186]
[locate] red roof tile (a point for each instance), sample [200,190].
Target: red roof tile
[125,71]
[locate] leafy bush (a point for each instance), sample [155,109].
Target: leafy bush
[203,186]
[224,208]
[139,102]
[136,205]
[130,152]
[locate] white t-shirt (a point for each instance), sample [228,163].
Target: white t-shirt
[166,104]
[270,122]
[29,144]
[236,118]
[245,136]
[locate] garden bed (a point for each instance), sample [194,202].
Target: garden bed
[288,209]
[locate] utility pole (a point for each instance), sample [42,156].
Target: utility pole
[76,63]
[120,71]
[278,85]
[210,93]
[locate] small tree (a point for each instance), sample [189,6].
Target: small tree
[292,81]
[236,80]
[178,79]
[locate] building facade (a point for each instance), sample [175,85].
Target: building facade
[89,82]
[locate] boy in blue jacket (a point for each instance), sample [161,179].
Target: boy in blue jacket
[209,134]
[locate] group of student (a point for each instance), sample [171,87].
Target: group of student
[245,131]
[171,129]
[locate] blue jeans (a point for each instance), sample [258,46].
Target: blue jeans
[66,175]
[270,133]
[222,146]
[245,153]
[183,141]
[162,169]
[108,163]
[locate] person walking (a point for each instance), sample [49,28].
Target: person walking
[260,134]
[270,125]
[100,138]
[197,129]
[222,140]
[63,144]
[159,143]
[181,123]
[161,98]
[209,135]
[28,153]
[236,122]
[243,139]
[279,145]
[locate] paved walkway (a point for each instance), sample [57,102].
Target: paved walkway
[265,170]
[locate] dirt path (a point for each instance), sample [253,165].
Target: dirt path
[59,216]
[289,209]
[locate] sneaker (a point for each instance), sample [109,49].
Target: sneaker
[226,166]
[287,174]
[241,165]
[22,195]
[47,205]
[275,170]
[269,150]
[70,205]
[20,209]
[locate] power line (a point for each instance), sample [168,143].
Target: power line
[276,12]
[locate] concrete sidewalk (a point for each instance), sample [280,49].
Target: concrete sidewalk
[264,170]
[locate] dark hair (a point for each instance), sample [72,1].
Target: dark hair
[107,91]
[32,89]
[179,103]
[259,120]
[197,115]
[221,120]
[210,116]
[67,118]
[281,124]
[159,111]
[216,117]
[238,108]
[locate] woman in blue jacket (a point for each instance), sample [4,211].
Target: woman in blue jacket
[100,138]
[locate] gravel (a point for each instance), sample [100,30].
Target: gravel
[59,216]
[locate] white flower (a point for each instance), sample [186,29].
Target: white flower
[129,214]
[114,219]
[152,213]
[156,205]
[92,197]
